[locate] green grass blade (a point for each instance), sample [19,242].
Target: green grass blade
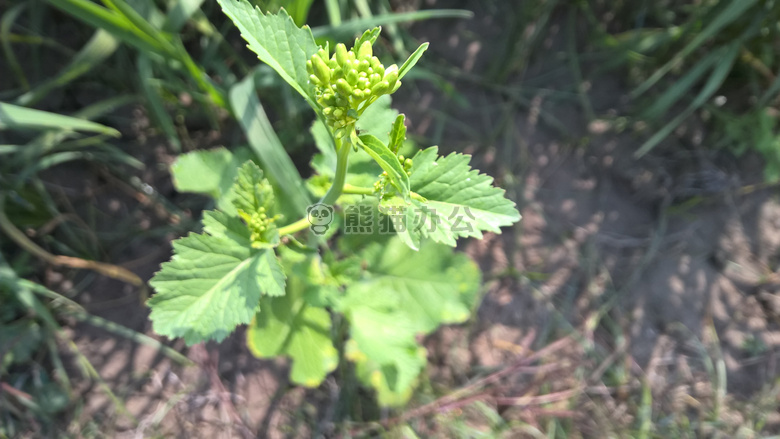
[334,12]
[140,23]
[729,55]
[154,101]
[109,21]
[16,117]
[50,140]
[5,32]
[261,136]
[100,46]
[677,91]
[732,12]
[299,11]
[350,28]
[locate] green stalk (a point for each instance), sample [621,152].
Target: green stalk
[337,188]
[333,194]
[359,190]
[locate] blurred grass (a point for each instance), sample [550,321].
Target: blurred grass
[715,61]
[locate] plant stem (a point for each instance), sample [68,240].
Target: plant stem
[357,190]
[335,191]
[342,150]
[294,227]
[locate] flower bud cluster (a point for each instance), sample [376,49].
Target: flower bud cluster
[346,80]
[384,179]
[259,223]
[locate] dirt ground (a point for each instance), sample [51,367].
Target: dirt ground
[663,268]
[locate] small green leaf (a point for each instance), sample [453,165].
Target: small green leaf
[459,201]
[388,161]
[251,191]
[397,134]
[370,35]
[213,282]
[292,326]
[412,60]
[277,41]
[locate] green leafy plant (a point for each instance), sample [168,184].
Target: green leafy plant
[369,267]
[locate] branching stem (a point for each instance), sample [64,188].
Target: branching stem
[335,191]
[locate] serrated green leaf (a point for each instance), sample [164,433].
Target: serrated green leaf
[459,201]
[213,283]
[412,60]
[251,191]
[387,161]
[209,172]
[401,294]
[277,41]
[291,326]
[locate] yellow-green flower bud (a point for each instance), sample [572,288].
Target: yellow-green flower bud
[365,51]
[321,69]
[352,76]
[391,75]
[323,54]
[343,87]
[380,88]
[357,93]
[374,78]
[363,66]
[341,54]
[314,80]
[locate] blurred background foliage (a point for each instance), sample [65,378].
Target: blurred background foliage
[86,84]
